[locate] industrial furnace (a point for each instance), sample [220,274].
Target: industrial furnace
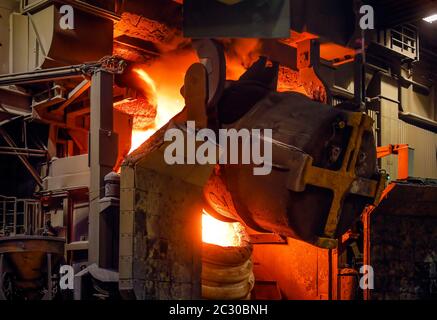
[143,158]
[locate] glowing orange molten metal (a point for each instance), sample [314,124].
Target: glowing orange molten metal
[221,233]
[146,78]
[168,106]
[163,79]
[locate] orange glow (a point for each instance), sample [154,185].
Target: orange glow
[139,136]
[164,79]
[167,106]
[221,233]
[146,78]
[240,55]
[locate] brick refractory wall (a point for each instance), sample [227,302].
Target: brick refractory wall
[404,257]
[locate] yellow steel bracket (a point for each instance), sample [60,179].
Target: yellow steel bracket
[340,182]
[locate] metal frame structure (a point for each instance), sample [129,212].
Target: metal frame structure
[341,182]
[403,153]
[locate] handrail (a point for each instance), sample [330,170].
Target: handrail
[20,216]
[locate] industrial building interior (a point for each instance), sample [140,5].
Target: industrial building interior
[83,182]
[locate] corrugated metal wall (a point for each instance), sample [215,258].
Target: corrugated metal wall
[395,131]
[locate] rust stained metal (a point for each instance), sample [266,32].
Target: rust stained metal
[32,244]
[137,26]
[308,59]
[300,271]
[293,201]
[341,182]
[25,255]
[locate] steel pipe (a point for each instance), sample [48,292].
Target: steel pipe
[24,150]
[44,75]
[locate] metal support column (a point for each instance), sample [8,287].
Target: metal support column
[52,140]
[359,82]
[102,153]
[2,294]
[49,277]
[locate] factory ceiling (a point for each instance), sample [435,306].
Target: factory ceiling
[391,13]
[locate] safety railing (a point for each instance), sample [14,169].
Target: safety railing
[20,216]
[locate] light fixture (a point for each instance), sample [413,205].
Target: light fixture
[431,18]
